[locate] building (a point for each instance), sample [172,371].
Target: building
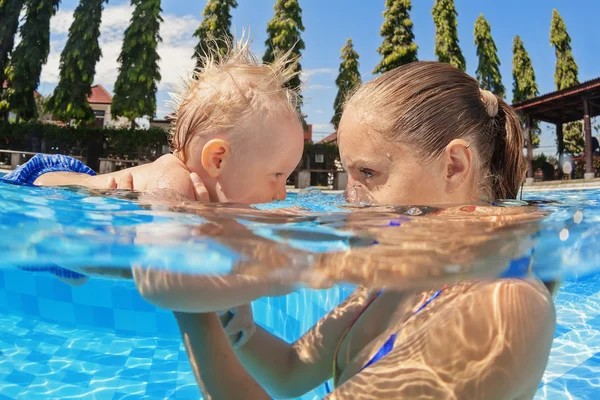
[100,101]
[330,139]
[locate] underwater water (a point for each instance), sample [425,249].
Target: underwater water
[101,340]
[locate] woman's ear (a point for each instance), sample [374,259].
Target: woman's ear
[215,155]
[458,159]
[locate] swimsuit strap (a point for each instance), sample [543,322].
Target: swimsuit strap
[337,349]
[385,348]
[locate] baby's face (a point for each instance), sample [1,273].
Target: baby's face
[261,162]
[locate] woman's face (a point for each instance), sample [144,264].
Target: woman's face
[390,172]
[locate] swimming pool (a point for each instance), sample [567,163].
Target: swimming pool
[103,341]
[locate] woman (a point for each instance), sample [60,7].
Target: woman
[427,134]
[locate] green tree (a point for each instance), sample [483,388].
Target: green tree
[348,79]
[78,64]
[284,34]
[215,27]
[136,85]
[398,47]
[25,67]
[566,71]
[488,69]
[446,34]
[524,85]
[565,75]
[9,23]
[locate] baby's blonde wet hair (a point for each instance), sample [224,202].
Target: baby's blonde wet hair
[230,90]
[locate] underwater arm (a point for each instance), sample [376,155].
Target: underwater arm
[216,367]
[291,370]
[197,293]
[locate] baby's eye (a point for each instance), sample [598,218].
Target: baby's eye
[278,174]
[366,172]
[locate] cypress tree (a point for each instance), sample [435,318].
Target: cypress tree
[9,23]
[524,85]
[488,69]
[565,75]
[348,79]
[25,67]
[216,25]
[398,47]
[136,85]
[446,35]
[78,64]
[566,71]
[283,35]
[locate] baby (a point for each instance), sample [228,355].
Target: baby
[236,127]
[237,136]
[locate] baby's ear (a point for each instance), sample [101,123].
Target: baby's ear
[215,154]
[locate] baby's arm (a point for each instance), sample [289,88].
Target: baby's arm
[196,293]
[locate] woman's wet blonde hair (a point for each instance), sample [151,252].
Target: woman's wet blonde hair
[426,105]
[229,90]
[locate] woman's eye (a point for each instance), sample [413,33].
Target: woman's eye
[367,173]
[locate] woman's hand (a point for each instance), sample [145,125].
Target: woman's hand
[238,323]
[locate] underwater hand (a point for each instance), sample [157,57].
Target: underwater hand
[238,323]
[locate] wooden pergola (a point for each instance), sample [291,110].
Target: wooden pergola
[572,104]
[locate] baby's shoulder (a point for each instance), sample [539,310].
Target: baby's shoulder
[171,173]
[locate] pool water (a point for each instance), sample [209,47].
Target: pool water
[101,340]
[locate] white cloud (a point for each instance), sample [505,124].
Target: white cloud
[318,111]
[323,128]
[307,73]
[175,50]
[309,87]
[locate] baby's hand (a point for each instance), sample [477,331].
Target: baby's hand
[125,183]
[200,192]
[238,323]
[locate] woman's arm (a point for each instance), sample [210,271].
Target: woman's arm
[290,370]
[492,343]
[216,367]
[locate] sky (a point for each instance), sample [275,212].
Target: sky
[328,23]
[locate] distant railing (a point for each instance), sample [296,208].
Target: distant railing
[302,178]
[11,159]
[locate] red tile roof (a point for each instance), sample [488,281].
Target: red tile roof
[332,138]
[99,95]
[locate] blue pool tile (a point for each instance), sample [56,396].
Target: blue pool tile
[139,304]
[166,324]
[20,378]
[163,366]
[76,378]
[92,295]
[20,282]
[3,300]
[37,357]
[43,287]
[142,352]
[30,304]
[42,337]
[14,301]
[160,389]
[187,392]
[57,311]
[84,315]
[1,279]
[137,321]
[183,356]
[121,297]
[62,291]
[27,323]
[138,374]
[103,359]
[103,317]
[561,330]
